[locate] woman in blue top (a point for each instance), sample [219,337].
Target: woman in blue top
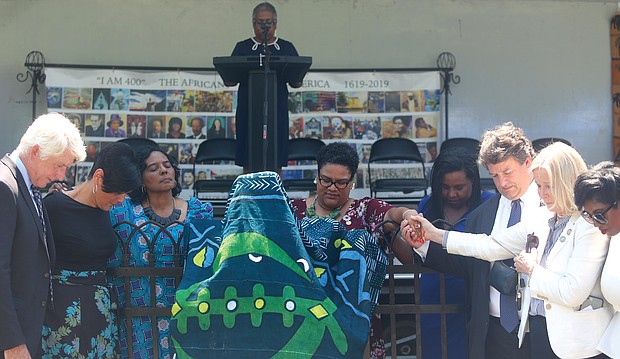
[455,185]
[161,215]
[264,19]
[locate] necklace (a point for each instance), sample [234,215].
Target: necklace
[454,215]
[311,211]
[164,221]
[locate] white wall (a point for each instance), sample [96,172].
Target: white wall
[542,64]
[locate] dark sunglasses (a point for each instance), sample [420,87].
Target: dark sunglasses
[597,217]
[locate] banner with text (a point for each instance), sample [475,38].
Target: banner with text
[179,110]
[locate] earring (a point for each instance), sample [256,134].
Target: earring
[143,189]
[314,181]
[353,185]
[94,189]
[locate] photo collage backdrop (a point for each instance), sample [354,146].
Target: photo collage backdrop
[362,107]
[179,110]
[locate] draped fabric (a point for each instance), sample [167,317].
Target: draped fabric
[267,286]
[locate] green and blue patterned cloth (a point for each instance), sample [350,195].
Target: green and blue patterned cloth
[262,285]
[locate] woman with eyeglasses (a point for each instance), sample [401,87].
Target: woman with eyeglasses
[337,165]
[597,192]
[264,24]
[455,185]
[566,314]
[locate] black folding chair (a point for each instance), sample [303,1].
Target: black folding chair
[302,149]
[136,142]
[396,179]
[214,151]
[541,143]
[471,145]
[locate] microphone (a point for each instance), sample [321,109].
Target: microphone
[265,26]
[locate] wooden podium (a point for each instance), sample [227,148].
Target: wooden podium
[262,127]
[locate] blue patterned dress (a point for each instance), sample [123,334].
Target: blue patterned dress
[139,257]
[366,213]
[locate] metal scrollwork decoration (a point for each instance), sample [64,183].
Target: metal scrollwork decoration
[35,62]
[446,62]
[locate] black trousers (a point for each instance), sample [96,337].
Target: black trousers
[503,345]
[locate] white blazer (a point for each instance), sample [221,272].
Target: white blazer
[572,273]
[610,286]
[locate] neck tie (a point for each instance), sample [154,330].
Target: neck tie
[515,213]
[508,313]
[36,195]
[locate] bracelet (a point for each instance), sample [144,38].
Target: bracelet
[409,210]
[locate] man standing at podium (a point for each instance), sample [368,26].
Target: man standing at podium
[264,21]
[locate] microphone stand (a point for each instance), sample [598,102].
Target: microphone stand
[266,67]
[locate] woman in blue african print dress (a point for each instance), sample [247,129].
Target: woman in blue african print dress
[160,217]
[80,322]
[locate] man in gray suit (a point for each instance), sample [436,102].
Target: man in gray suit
[50,145]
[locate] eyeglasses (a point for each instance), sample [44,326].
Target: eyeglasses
[340,184]
[264,22]
[598,217]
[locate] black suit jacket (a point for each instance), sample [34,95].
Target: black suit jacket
[475,272]
[24,264]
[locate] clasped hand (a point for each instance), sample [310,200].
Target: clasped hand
[412,232]
[417,229]
[525,262]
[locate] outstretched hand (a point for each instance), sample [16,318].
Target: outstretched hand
[428,230]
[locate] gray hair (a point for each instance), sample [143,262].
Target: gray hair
[264,6]
[55,134]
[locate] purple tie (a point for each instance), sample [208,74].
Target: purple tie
[508,312]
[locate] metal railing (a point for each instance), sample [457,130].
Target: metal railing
[400,310]
[398,304]
[129,272]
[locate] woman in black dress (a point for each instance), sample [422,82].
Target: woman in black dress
[264,19]
[80,320]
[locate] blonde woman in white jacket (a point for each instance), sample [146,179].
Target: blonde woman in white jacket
[566,313]
[597,192]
